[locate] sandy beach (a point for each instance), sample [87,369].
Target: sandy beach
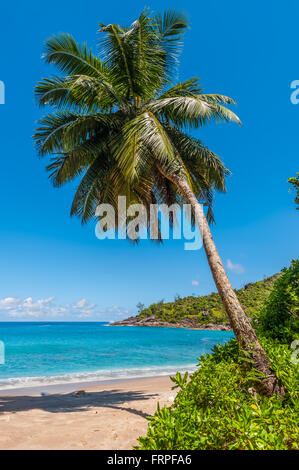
[107,416]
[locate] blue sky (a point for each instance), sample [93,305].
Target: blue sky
[52,267]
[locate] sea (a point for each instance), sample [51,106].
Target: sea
[39,354]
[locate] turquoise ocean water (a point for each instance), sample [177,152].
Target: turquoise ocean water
[56,353]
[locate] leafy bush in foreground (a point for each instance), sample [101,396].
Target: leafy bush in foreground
[279,318]
[218,408]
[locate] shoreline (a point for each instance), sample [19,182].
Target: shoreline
[184,324]
[72,387]
[61,384]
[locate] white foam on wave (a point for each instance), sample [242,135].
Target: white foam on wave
[98,375]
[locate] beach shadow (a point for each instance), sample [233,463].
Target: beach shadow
[69,403]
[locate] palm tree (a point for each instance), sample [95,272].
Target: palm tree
[121,122]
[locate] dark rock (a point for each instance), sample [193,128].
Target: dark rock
[149,319]
[79,393]
[152,321]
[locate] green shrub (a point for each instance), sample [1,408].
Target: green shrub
[218,409]
[295,182]
[279,318]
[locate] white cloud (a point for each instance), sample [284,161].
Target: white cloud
[235,267]
[81,303]
[195,283]
[8,302]
[12,308]
[22,308]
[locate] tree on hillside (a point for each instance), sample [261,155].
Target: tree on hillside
[120,122]
[140,306]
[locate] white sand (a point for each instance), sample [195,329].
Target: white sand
[109,416]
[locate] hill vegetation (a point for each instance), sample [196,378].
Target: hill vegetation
[209,308]
[295,182]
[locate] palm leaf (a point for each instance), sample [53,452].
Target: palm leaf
[143,134]
[170,28]
[192,111]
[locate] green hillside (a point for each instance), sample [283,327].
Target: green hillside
[208,308]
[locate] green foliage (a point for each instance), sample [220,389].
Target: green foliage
[209,308]
[295,182]
[218,408]
[140,306]
[279,318]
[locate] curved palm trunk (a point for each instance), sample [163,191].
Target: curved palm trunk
[240,323]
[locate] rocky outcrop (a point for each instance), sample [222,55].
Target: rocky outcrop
[184,323]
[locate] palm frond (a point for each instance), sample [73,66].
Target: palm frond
[87,195]
[142,134]
[61,132]
[147,67]
[117,53]
[73,58]
[199,159]
[192,111]
[189,88]
[216,98]
[80,92]
[65,168]
[170,28]
[54,91]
